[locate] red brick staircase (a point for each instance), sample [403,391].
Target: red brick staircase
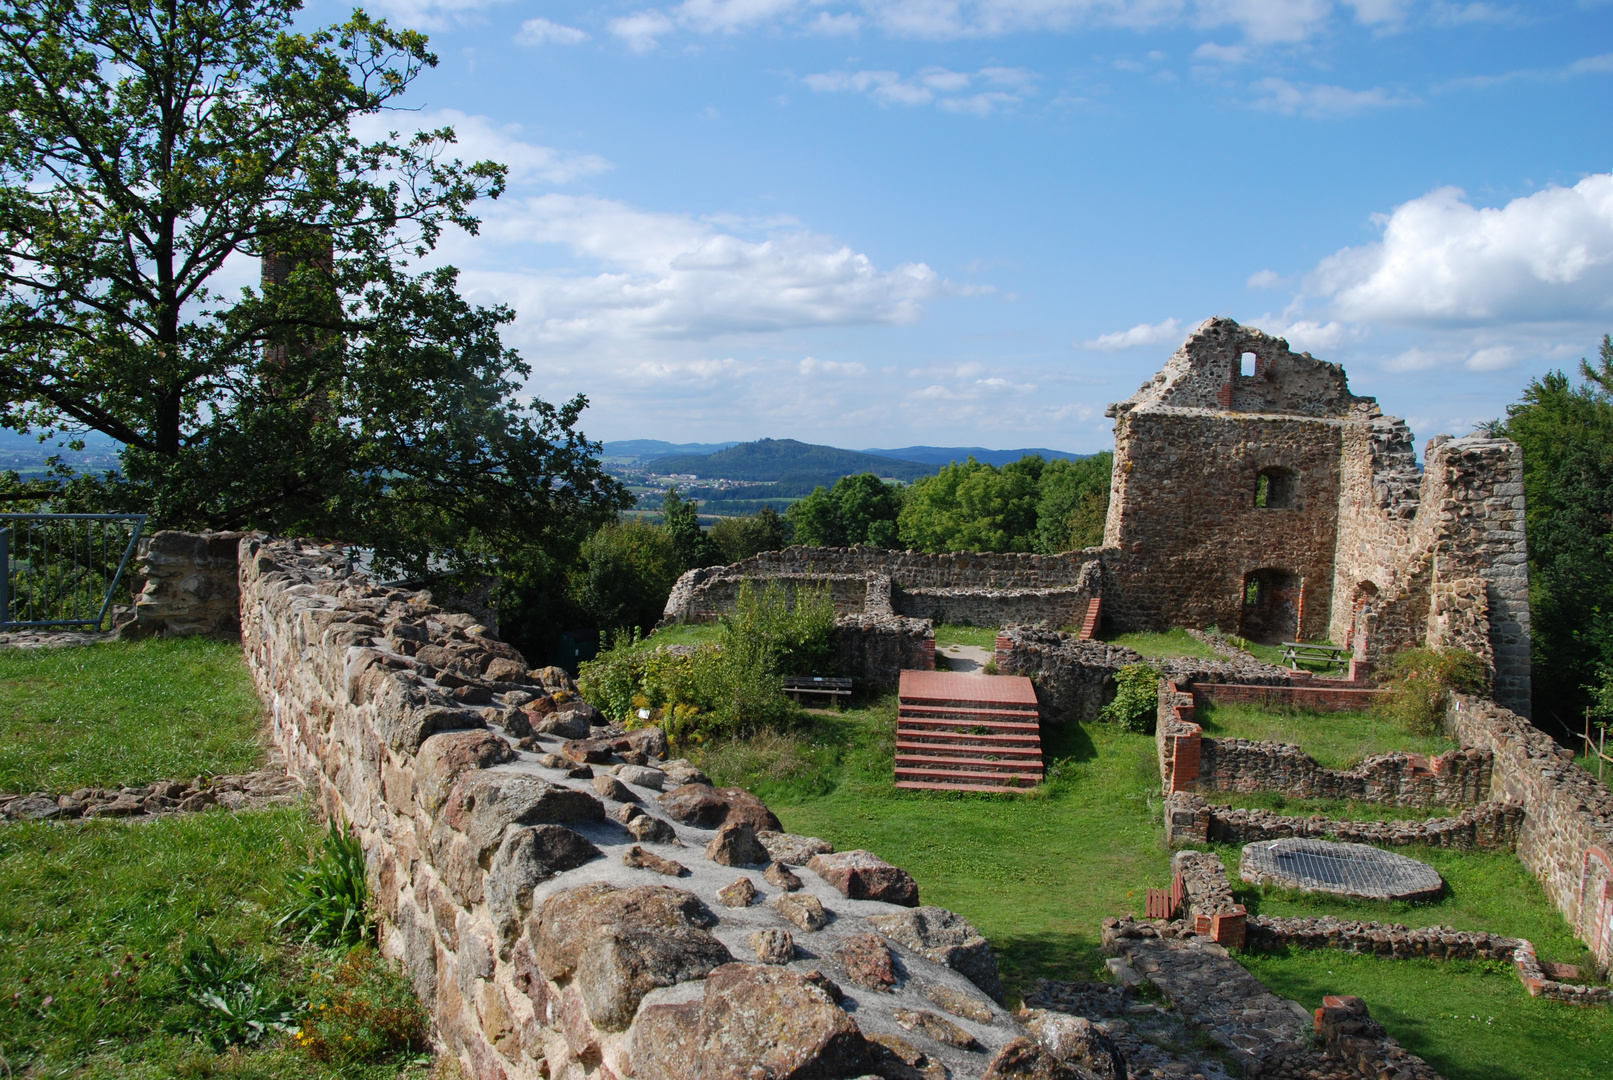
[1089,625]
[964,732]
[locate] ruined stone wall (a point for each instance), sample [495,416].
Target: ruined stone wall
[876,649]
[1191,819]
[544,941]
[1566,838]
[976,588]
[1184,520]
[190,587]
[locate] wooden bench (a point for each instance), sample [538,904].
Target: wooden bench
[833,689]
[1295,651]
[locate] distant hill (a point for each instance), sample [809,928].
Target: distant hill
[795,467]
[945,455]
[649,448]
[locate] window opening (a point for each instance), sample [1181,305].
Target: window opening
[1247,364]
[1275,489]
[1251,592]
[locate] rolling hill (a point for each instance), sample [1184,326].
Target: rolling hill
[795,467]
[945,455]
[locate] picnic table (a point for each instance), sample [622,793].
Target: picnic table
[833,689]
[1316,653]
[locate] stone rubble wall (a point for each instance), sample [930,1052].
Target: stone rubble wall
[1190,761]
[543,939]
[1075,679]
[190,586]
[876,649]
[1566,838]
[1191,819]
[1379,939]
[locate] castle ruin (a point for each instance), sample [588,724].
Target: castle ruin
[1251,491]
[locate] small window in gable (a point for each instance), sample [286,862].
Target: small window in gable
[1247,365]
[1274,489]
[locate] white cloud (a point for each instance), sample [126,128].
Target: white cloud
[1600,64]
[982,92]
[539,31]
[430,14]
[479,138]
[641,29]
[811,365]
[1379,12]
[1225,54]
[1281,96]
[665,275]
[1141,334]
[1442,261]
[1260,21]
[1264,279]
[1309,335]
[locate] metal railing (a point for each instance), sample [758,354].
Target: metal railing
[64,570]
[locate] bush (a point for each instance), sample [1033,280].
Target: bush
[1420,681]
[1136,702]
[728,688]
[362,1013]
[329,895]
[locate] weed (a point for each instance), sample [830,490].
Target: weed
[227,1000]
[1337,740]
[329,895]
[1421,680]
[362,1012]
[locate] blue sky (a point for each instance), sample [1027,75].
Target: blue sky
[889,222]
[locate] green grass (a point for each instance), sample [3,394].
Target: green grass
[1340,809]
[1484,890]
[684,634]
[1469,1019]
[96,914]
[1038,872]
[1171,643]
[1337,740]
[125,713]
[983,637]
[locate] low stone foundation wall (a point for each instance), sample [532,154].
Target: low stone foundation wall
[875,649]
[1316,696]
[994,607]
[1190,819]
[1566,838]
[1379,939]
[1190,761]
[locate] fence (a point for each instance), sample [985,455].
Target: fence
[64,570]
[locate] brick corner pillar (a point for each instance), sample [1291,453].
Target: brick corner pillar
[1230,928]
[1187,748]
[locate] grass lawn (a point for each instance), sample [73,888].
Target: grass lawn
[1037,873]
[125,713]
[1339,809]
[983,637]
[1469,1019]
[684,634]
[98,915]
[1337,740]
[1171,643]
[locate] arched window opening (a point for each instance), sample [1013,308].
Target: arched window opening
[1275,488]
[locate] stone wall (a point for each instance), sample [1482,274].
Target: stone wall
[1190,761]
[1566,838]
[1191,819]
[876,649]
[190,586]
[543,939]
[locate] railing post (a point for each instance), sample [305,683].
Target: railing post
[5,576]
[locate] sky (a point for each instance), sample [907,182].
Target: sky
[879,223]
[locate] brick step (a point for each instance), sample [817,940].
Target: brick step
[927,785]
[952,705]
[943,737]
[967,776]
[1089,625]
[967,748]
[921,763]
[913,722]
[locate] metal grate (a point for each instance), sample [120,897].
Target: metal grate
[1346,869]
[64,570]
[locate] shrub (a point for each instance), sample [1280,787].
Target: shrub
[227,999]
[362,1012]
[1136,700]
[329,895]
[1420,680]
